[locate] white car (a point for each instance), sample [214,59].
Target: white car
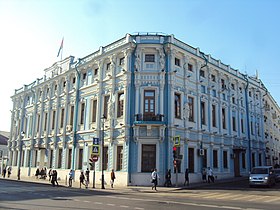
[262,175]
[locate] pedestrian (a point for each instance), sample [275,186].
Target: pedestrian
[155,178]
[113,177]
[50,174]
[71,177]
[4,172]
[204,175]
[87,176]
[37,173]
[210,175]
[187,177]
[168,178]
[54,178]
[82,179]
[9,171]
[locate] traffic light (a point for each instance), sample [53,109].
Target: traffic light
[175,153]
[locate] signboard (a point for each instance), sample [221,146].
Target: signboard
[176,140]
[95,147]
[94,158]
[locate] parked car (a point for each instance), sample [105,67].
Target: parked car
[262,175]
[277,174]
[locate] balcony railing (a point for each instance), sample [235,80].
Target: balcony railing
[149,117]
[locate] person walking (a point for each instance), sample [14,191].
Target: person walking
[168,178]
[82,179]
[9,171]
[50,174]
[155,178]
[113,177]
[204,175]
[87,177]
[187,177]
[54,178]
[4,172]
[71,177]
[37,173]
[210,175]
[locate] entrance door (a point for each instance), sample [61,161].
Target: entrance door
[236,163]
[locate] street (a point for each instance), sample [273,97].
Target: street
[235,195]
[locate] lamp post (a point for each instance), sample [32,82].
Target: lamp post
[20,154]
[102,151]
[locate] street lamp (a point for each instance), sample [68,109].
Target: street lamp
[102,152]
[20,154]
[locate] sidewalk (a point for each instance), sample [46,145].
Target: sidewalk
[131,189]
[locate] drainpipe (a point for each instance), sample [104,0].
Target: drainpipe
[248,121]
[76,110]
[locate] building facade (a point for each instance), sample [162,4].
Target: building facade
[139,94]
[4,136]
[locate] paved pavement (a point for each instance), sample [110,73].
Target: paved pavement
[76,184]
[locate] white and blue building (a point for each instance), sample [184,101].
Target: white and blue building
[138,94]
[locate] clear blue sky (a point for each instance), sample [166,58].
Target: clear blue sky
[242,33]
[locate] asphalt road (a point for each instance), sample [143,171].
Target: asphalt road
[24,195]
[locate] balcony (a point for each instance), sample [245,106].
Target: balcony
[148,119]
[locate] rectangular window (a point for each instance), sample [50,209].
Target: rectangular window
[233,100]
[252,127]
[95,71]
[119,158]
[62,118]
[53,119]
[177,61]
[204,159]
[105,155]
[253,160]
[80,163]
[191,109]
[191,160]
[120,104]
[243,157]
[149,58]
[213,78]
[73,80]
[190,67]
[149,102]
[94,110]
[148,157]
[201,73]
[51,159]
[214,121]
[242,125]
[233,123]
[82,113]
[177,105]
[203,115]
[121,61]
[69,158]
[59,158]
[224,118]
[215,159]
[71,115]
[84,76]
[225,159]
[105,106]
[223,85]
[45,121]
[108,66]
[38,122]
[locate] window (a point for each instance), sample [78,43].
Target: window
[203,89]
[149,58]
[105,105]
[84,76]
[201,73]
[190,67]
[177,105]
[223,85]
[191,109]
[119,158]
[214,124]
[191,160]
[94,107]
[148,159]
[120,104]
[53,119]
[253,160]
[105,155]
[252,127]
[243,157]
[80,163]
[51,159]
[38,122]
[224,118]
[203,120]
[59,158]
[233,100]
[95,71]
[64,84]
[73,80]
[108,66]
[233,123]
[215,159]
[225,159]
[62,118]
[178,162]
[232,86]
[214,93]
[177,61]
[242,125]
[121,61]
[149,102]
[69,158]
[250,93]
[82,114]
[213,78]
[204,159]
[71,115]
